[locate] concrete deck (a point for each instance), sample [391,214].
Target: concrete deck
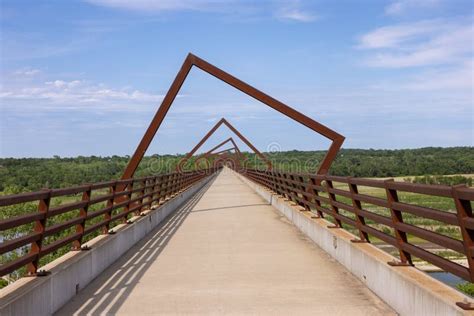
[226,252]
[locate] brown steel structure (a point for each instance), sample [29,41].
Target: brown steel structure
[222,159]
[221,144]
[339,199]
[230,139]
[327,200]
[236,132]
[139,194]
[192,60]
[210,156]
[225,150]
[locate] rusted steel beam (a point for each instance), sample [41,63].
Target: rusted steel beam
[192,60]
[236,132]
[219,145]
[223,158]
[235,147]
[208,155]
[225,150]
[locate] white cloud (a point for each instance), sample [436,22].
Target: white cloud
[26,72]
[73,94]
[295,14]
[394,35]
[459,77]
[424,43]
[286,10]
[402,6]
[162,5]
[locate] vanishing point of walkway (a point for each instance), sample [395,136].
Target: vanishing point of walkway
[226,252]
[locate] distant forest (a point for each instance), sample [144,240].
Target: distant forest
[27,174]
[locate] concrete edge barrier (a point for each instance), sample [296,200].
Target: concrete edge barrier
[407,290]
[73,271]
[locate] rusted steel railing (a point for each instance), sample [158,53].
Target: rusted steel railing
[47,232]
[342,200]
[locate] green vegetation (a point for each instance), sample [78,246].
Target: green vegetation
[446,180]
[29,174]
[381,162]
[467,288]
[3,283]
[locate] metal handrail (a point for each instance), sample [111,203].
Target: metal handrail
[348,209]
[136,195]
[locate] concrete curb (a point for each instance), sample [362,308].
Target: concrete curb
[73,271]
[406,289]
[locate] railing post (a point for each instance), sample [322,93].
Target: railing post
[110,204]
[284,186]
[168,186]
[128,198]
[305,197]
[271,180]
[175,184]
[160,188]
[40,226]
[291,193]
[169,190]
[181,182]
[360,220]
[276,179]
[314,182]
[141,194]
[86,196]
[335,209]
[397,217]
[150,191]
[275,182]
[464,212]
[264,179]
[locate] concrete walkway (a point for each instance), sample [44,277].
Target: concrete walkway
[226,252]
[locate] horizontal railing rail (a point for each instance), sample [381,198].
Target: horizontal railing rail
[386,210]
[98,207]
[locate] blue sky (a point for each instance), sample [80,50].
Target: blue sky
[85,77]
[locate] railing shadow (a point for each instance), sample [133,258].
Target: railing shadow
[114,285]
[228,207]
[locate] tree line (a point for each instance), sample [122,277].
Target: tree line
[28,174]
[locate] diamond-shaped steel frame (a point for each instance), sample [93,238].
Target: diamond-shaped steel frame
[236,132]
[192,60]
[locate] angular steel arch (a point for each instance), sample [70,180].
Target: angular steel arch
[236,132]
[210,153]
[230,139]
[223,151]
[222,158]
[192,60]
[219,156]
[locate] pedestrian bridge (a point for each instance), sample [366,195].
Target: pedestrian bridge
[221,242]
[231,238]
[226,251]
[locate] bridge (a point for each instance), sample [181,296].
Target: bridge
[235,237]
[226,251]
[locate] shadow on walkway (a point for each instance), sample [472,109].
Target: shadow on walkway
[115,284]
[228,207]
